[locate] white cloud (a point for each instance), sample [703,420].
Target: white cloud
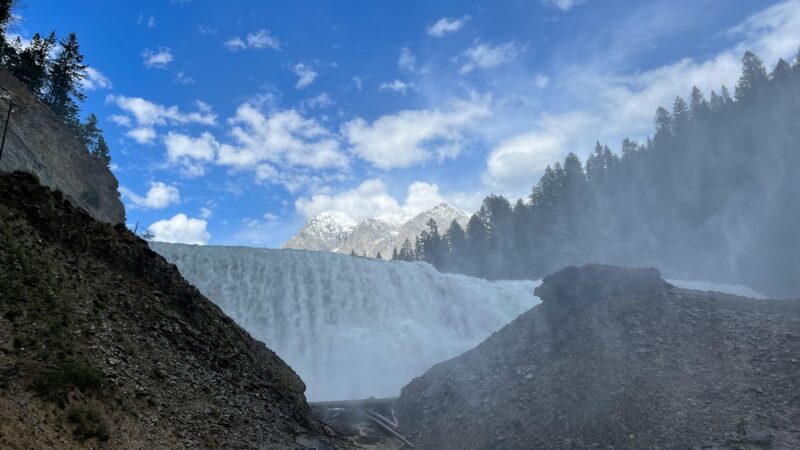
[159,196]
[484,55]
[541,81]
[305,75]
[371,199]
[151,22]
[182,78]
[257,40]
[322,100]
[407,60]
[396,86]
[157,59]
[235,44]
[612,107]
[412,136]
[181,229]
[358,82]
[206,213]
[515,163]
[142,135]
[95,80]
[285,138]
[563,5]
[206,30]
[447,25]
[123,121]
[147,113]
[191,154]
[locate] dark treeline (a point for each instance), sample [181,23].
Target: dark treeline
[714,194]
[52,70]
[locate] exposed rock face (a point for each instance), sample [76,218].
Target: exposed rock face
[38,142]
[618,358]
[102,340]
[335,231]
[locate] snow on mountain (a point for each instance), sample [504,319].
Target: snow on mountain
[335,231]
[326,231]
[443,214]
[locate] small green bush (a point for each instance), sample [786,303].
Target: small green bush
[89,423]
[54,385]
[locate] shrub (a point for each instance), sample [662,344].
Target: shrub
[89,423]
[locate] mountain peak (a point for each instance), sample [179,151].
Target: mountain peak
[335,231]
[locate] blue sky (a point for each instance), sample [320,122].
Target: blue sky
[231,122]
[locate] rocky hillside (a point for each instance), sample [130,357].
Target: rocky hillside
[619,358]
[335,231]
[38,142]
[103,344]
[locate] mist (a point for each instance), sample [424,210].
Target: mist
[712,196]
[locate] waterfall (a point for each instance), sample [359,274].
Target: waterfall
[350,327]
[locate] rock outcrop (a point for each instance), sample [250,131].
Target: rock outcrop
[103,343]
[38,142]
[619,358]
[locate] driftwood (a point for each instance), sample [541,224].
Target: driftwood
[392,423]
[375,417]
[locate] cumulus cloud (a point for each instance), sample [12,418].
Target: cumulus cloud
[159,196]
[371,199]
[189,153]
[181,229]
[142,135]
[516,162]
[447,25]
[283,138]
[305,75]
[563,5]
[157,59]
[95,80]
[412,136]
[256,40]
[148,114]
[396,86]
[483,55]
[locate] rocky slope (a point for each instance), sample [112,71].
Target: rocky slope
[334,231]
[619,358]
[104,344]
[38,142]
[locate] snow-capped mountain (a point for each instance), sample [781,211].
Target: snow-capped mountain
[335,231]
[326,231]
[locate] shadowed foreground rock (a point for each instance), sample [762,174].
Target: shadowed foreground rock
[618,358]
[104,344]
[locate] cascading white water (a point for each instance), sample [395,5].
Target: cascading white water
[350,327]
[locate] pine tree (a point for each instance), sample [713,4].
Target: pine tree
[90,132]
[781,71]
[33,63]
[629,147]
[726,95]
[406,251]
[680,114]
[697,104]
[64,83]
[378,256]
[101,150]
[394,254]
[664,132]
[753,75]
[353,252]
[456,240]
